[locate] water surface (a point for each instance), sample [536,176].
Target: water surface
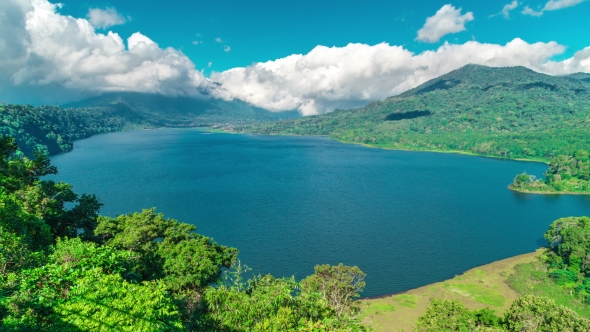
[405,218]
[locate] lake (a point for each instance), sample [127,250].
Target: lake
[405,218]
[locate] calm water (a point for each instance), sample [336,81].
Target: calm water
[405,218]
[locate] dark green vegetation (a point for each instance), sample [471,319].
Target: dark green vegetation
[527,314]
[499,112]
[565,175]
[53,129]
[65,268]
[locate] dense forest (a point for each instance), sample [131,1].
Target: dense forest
[566,174]
[53,129]
[499,112]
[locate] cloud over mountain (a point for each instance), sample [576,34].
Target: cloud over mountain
[53,58]
[339,77]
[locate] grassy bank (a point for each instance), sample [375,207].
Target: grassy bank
[481,287]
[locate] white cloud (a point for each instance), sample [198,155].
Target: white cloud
[559,4]
[104,18]
[41,47]
[197,42]
[226,48]
[209,64]
[350,76]
[552,5]
[507,9]
[218,40]
[447,20]
[529,11]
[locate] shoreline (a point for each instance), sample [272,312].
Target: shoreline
[543,161]
[548,192]
[384,296]
[480,287]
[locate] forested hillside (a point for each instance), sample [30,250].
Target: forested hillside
[54,129]
[503,112]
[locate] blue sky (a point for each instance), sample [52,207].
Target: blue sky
[310,56]
[258,31]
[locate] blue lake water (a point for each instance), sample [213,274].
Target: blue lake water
[405,218]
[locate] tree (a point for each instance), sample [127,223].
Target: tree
[340,285]
[521,179]
[170,251]
[532,313]
[444,315]
[82,288]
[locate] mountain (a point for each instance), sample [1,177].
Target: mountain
[159,110]
[510,112]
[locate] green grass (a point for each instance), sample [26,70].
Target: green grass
[379,308]
[531,278]
[406,300]
[478,293]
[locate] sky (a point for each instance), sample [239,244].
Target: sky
[313,56]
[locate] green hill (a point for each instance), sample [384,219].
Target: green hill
[510,112]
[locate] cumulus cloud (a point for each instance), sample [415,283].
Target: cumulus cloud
[507,9]
[226,48]
[41,47]
[447,20]
[552,5]
[350,76]
[104,18]
[219,40]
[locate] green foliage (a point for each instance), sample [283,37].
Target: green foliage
[452,315]
[340,285]
[528,313]
[265,303]
[565,174]
[169,249]
[532,313]
[53,129]
[82,286]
